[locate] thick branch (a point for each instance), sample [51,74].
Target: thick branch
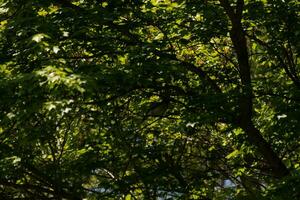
[190,67]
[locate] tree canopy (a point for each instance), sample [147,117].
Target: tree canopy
[153,99]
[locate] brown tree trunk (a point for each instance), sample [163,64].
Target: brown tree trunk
[238,39]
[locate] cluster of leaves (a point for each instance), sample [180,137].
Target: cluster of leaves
[77,80]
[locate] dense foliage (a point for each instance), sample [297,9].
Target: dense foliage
[153,99]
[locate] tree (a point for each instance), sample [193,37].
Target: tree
[82,81]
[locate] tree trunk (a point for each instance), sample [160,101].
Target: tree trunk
[244,121]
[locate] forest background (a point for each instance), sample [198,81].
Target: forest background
[154,99]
